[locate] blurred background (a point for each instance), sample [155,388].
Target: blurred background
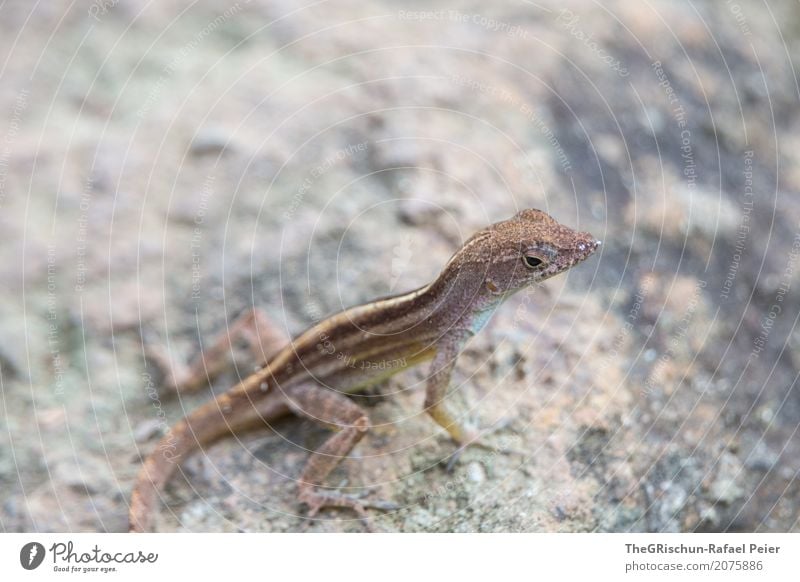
[165,166]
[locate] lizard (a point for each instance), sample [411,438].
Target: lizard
[312,375]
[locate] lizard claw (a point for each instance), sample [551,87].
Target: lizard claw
[318,501]
[382,505]
[379,504]
[477,439]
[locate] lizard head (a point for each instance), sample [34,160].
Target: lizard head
[526,249]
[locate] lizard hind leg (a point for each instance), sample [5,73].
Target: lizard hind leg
[262,337]
[336,411]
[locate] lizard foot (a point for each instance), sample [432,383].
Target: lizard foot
[317,501]
[477,439]
[173,374]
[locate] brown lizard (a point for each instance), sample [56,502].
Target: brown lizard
[341,355]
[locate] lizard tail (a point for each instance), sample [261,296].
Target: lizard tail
[231,412]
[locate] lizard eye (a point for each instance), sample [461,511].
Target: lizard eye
[532,261]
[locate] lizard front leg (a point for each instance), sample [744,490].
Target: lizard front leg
[336,411]
[447,350]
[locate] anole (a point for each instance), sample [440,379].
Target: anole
[312,375]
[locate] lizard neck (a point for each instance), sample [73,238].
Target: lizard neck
[462,297]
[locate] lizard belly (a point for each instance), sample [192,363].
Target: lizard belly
[359,372]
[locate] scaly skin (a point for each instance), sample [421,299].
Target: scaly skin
[363,345]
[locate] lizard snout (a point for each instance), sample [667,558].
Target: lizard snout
[587,245]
